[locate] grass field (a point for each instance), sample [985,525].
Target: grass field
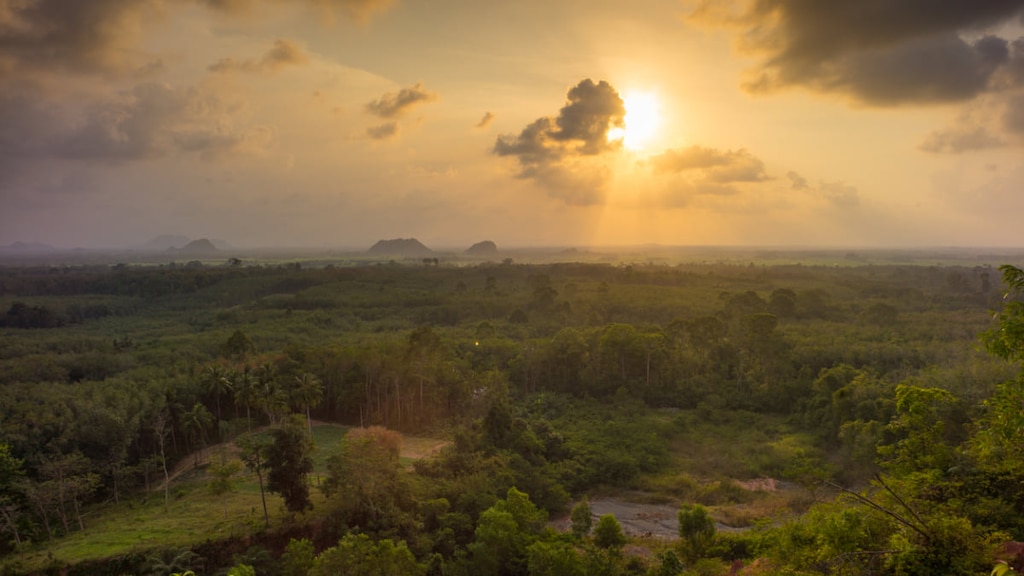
[140,523]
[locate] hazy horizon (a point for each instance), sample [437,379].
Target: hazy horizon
[332,124]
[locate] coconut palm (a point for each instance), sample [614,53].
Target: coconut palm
[196,422]
[216,382]
[273,398]
[246,391]
[308,393]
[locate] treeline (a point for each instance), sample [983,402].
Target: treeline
[545,377]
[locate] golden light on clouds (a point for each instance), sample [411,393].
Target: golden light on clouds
[108,113]
[643,121]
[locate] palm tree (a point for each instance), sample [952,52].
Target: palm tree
[216,382]
[273,399]
[244,386]
[171,562]
[308,393]
[195,423]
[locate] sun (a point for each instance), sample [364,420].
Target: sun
[643,118]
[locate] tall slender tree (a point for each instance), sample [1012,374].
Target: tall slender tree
[273,398]
[246,391]
[161,427]
[308,393]
[216,382]
[254,448]
[196,423]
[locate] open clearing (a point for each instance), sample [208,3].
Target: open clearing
[141,522]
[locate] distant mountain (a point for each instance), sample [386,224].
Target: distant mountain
[27,246]
[484,248]
[165,242]
[201,246]
[400,247]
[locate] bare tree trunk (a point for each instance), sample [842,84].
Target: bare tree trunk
[114,474]
[61,500]
[38,498]
[78,514]
[160,427]
[263,496]
[648,383]
[8,513]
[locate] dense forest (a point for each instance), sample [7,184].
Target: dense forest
[263,413]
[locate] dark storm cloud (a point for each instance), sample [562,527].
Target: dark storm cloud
[994,119]
[593,109]
[27,126]
[383,131]
[880,52]
[357,9]
[70,35]
[549,150]
[101,35]
[1013,116]
[394,104]
[50,50]
[714,166]
[283,53]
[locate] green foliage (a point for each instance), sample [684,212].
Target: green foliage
[599,386]
[1007,340]
[298,558]
[582,519]
[222,474]
[254,449]
[366,485]
[357,554]
[608,533]
[170,562]
[953,546]
[999,441]
[829,535]
[288,462]
[238,345]
[554,559]
[669,564]
[919,428]
[503,534]
[696,530]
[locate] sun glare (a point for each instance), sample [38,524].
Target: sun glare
[643,117]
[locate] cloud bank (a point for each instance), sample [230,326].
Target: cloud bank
[887,53]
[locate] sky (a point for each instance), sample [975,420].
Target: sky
[336,123]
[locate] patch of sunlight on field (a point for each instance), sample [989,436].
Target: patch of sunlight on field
[139,523]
